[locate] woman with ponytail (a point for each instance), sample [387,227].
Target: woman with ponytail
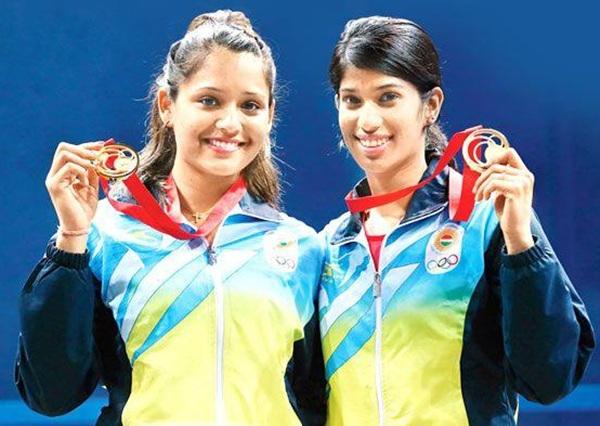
[427,320]
[220,328]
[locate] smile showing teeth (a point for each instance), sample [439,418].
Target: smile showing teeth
[373,142]
[221,145]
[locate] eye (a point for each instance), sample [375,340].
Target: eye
[251,106]
[389,96]
[351,100]
[209,101]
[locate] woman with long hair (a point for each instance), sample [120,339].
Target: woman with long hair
[220,328]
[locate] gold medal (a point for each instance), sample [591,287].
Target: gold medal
[116,161]
[482,146]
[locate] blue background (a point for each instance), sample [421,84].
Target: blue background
[76,72]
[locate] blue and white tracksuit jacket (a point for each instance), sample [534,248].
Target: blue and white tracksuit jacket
[180,333]
[451,328]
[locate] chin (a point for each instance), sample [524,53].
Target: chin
[219,170]
[224,173]
[373,168]
[374,165]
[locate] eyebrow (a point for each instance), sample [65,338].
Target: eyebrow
[216,89]
[388,85]
[383,86]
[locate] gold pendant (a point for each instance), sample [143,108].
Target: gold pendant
[198,218]
[482,147]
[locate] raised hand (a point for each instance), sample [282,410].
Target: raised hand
[73,187]
[510,184]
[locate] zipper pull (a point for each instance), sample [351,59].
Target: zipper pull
[212,255]
[377,285]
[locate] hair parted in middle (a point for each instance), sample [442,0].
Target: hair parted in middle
[206,32]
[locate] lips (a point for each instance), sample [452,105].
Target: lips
[373,142]
[224,145]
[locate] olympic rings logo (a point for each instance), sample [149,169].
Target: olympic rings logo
[285,262]
[443,262]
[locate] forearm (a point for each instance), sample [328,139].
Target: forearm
[546,330]
[56,360]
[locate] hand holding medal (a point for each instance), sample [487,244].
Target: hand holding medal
[504,178]
[119,162]
[72,184]
[74,191]
[491,167]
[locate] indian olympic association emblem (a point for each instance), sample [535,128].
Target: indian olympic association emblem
[281,250]
[444,249]
[331,273]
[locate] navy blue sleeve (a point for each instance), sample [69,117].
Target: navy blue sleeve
[56,368]
[305,376]
[548,337]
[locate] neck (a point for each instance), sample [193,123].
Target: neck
[199,192]
[382,183]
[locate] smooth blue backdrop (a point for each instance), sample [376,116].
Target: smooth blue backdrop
[78,71]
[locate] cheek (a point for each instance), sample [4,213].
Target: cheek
[191,127]
[404,120]
[346,122]
[187,133]
[181,127]
[185,137]
[259,128]
[418,112]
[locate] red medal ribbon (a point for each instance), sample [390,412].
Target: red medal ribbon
[148,211]
[461,197]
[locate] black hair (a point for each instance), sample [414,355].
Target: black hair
[395,47]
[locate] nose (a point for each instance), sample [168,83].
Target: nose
[369,119]
[229,121]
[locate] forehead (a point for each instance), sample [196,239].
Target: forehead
[359,79]
[228,70]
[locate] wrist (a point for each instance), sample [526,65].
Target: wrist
[72,240]
[518,243]
[67,233]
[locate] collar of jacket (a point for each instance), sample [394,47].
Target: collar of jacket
[247,206]
[427,199]
[251,207]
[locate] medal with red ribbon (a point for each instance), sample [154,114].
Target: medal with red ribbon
[479,147]
[119,162]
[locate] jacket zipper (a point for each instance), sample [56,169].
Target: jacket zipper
[216,276]
[378,338]
[377,291]
[220,316]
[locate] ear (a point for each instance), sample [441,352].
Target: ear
[433,105]
[165,106]
[337,101]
